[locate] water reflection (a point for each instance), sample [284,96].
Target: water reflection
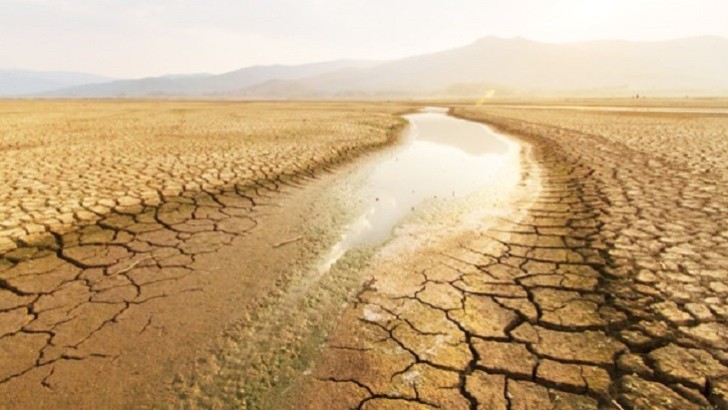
[444,157]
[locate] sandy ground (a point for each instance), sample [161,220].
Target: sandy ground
[607,290]
[174,213]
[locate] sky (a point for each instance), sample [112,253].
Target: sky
[138,38]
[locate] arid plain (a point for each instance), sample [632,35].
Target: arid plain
[114,215]
[154,253]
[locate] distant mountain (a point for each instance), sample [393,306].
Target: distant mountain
[21,82]
[221,85]
[696,66]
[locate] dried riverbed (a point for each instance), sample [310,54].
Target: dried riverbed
[591,274]
[385,215]
[605,288]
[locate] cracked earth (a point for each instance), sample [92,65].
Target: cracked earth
[115,247]
[604,287]
[607,289]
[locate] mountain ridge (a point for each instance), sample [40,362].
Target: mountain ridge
[517,65]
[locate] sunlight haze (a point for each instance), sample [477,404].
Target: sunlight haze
[364,204]
[136,38]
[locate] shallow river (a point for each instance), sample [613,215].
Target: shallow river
[442,157]
[445,177]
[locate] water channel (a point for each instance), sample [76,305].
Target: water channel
[441,157]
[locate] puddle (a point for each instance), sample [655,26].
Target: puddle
[442,158]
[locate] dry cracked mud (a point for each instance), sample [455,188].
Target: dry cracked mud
[123,226]
[607,289]
[71,163]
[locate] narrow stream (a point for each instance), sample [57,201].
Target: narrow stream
[446,176]
[442,157]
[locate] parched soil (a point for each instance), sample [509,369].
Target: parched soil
[605,288]
[133,232]
[69,163]
[137,231]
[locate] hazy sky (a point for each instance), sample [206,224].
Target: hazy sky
[133,38]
